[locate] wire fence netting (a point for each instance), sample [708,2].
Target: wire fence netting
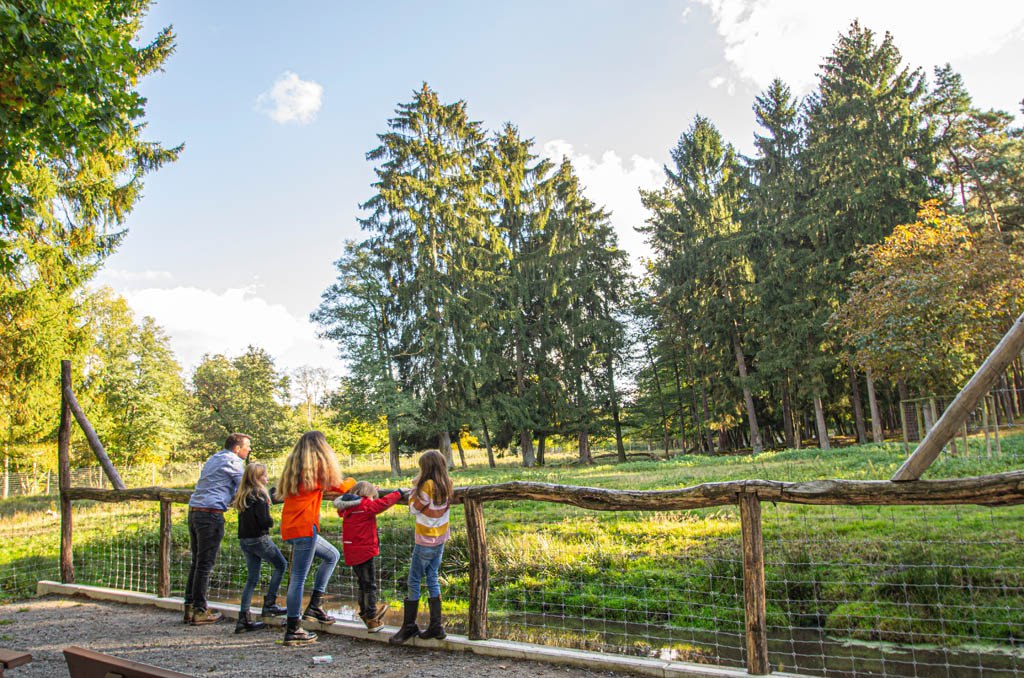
[851,591]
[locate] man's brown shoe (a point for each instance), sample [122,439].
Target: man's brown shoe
[200,617]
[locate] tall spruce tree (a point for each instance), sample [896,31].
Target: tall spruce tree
[428,214]
[870,160]
[703,278]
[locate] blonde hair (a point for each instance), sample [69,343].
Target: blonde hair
[433,466]
[311,465]
[254,482]
[364,488]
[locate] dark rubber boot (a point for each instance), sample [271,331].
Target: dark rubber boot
[270,608]
[296,635]
[246,624]
[409,628]
[435,630]
[314,611]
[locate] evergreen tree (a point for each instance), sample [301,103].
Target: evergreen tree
[428,214]
[870,161]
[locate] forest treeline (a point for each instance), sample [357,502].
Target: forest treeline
[867,252]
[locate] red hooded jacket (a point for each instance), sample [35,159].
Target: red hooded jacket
[359,530]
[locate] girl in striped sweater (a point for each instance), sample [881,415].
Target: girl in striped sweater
[429,501]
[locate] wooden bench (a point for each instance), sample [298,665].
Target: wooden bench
[84,663]
[11,658]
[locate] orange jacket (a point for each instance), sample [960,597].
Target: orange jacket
[301,513]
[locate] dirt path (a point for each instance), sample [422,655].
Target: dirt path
[45,626]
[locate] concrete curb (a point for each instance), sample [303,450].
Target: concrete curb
[453,643]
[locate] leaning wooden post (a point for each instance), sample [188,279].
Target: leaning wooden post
[67,566]
[94,440]
[476,539]
[956,414]
[163,585]
[754,585]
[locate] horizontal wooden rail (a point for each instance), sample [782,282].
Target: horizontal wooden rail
[999,489]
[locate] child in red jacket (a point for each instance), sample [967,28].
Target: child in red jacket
[360,543]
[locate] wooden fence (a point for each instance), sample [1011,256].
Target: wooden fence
[995,490]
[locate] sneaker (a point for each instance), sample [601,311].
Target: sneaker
[200,617]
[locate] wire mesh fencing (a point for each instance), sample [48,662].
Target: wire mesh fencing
[850,591]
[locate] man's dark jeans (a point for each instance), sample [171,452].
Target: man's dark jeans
[205,532]
[366,575]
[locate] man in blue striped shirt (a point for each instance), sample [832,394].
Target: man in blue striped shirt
[217,484]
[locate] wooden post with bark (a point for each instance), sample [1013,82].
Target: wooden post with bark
[91,436]
[67,566]
[479,573]
[163,584]
[956,414]
[754,585]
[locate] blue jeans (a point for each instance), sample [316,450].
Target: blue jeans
[256,550]
[205,531]
[426,561]
[303,551]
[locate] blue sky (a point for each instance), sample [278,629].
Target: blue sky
[277,104]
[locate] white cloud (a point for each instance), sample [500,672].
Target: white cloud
[765,39]
[614,184]
[291,99]
[111,276]
[203,321]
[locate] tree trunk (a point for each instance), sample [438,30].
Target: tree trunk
[819,418]
[526,443]
[614,397]
[858,409]
[787,414]
[584,445]
[661,400]
[707,416]
[542,440]
[393,451]
[462,453]
[444,444]
[487,443]
[748,398]
[876,420]
[679,397]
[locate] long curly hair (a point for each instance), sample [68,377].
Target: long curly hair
[309,466]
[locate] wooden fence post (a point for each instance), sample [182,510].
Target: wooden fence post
[754,585]
[987,376]
[476,539]
[67,566]
[92,437]
[163,585]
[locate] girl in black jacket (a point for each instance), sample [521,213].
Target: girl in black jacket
[252,501]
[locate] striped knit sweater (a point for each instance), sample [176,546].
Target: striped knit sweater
[431,518]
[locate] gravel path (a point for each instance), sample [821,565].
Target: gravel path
[45,626]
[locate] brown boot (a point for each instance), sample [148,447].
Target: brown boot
[187,619]
[200,617]
[374,619]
